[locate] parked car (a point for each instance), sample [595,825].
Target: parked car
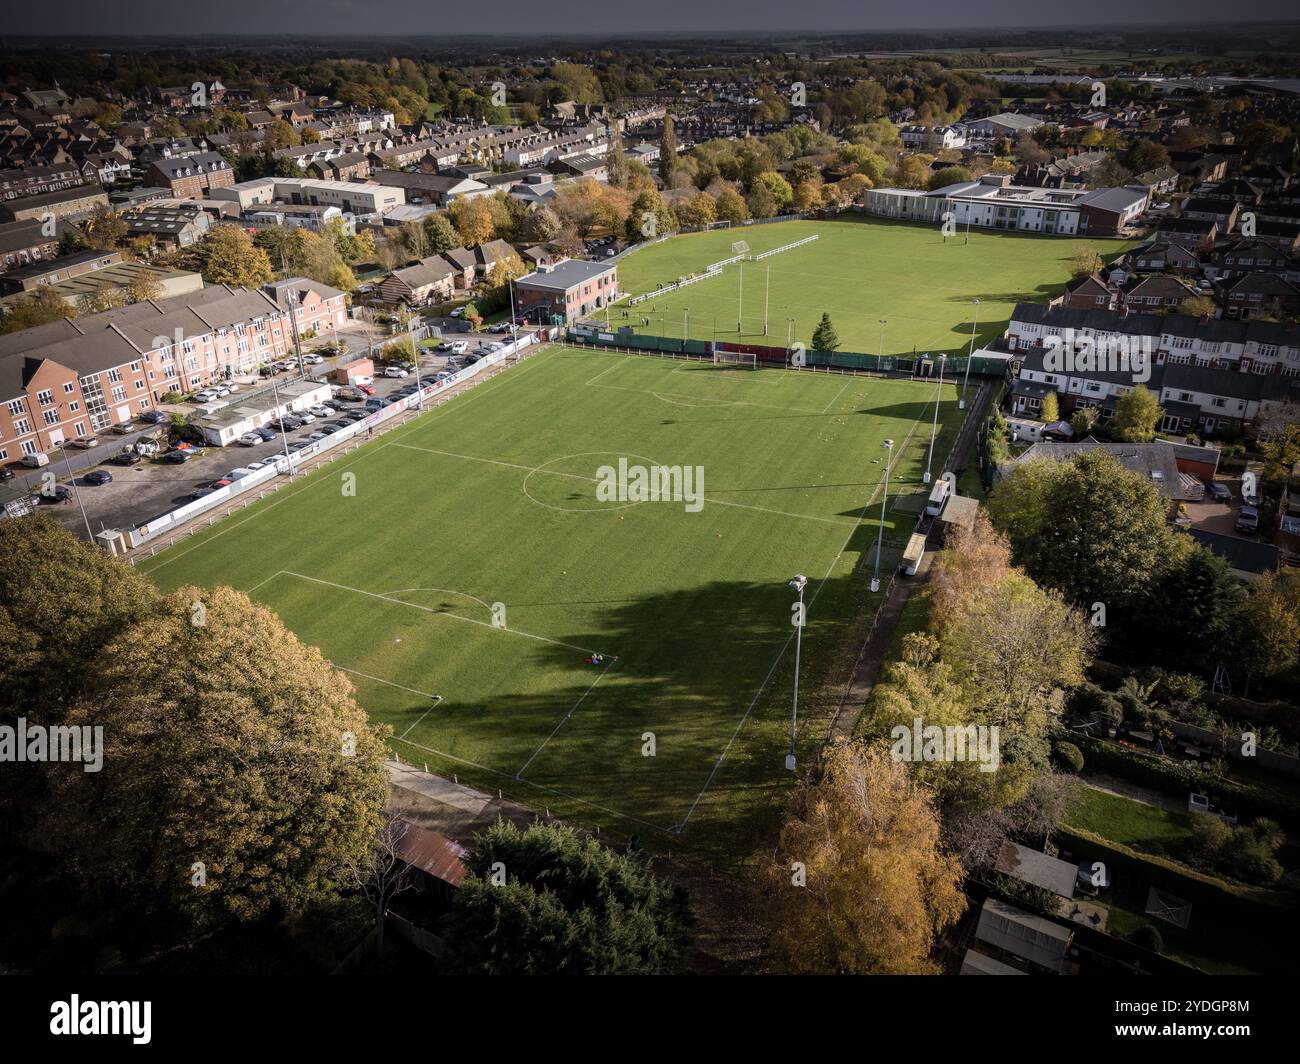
[312,360]
[153,417]
[305,418]
[124,428]
[315,437]
[223,482]
[366,389]
[459,347]
[6,473]
[56,493]
[457,312]
[85,442]
[98,476]
[395,371]
[35,461]
[358,415]
[294,448]
[250,439]
[126,458]
[362,382]
[1220,492]
[267,433]
[177,457]
[496,347]
[321,410]
[1247,519]
[442,376]
[238,473]
[199,493]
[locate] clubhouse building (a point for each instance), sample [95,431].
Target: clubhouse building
[993,202]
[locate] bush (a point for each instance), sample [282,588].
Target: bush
[1068,757]
[1148,937]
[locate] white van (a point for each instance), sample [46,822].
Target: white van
[35,461]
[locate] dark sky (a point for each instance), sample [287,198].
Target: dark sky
[552,17]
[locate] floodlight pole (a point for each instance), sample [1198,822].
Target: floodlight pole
[740,304]
[767,291]
[789,335]
[970,354]
[686,324]
[284,436]
[880,534]
[798,582]
[415,358]
[883,323]
[934,431]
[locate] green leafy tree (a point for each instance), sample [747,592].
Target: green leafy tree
[547,901]
[949,175]
[38,307]
[731,206]
[1137,413]
[668,152]
[1089,528]
[824,337]
[1051,410]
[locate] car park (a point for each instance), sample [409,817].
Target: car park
[98,476]
[250,439]
[85,442]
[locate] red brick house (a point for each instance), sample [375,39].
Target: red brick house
[188,176]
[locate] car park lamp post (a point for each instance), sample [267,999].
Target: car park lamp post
[798,582]
[970,354]
[415,359]
[284,437]
[72,479]
[934,432]
[880,534]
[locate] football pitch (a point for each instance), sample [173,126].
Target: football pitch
[624,663]
[859,271]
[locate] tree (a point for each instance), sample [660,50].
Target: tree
[473,221]
[668,151]
[229,256]
[949,175]
[379,873]
[1051,409]
[228,793]
[861,884]
[1083,419]
[696,212]
[808,196]
[1144,155]
[650,217]
[778,186]
[1193,611]
[540,227]
[547,901]
[824,337]
[1085,263]
[38,307]
[1137,413]
[1197,307]
[731,206]
[105,229]
[616,166]
[1089,528]
[143,286]
[1269,643]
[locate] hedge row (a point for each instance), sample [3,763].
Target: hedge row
[1248,800]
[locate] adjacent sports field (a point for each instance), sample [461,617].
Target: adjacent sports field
[859,271]
[486,510]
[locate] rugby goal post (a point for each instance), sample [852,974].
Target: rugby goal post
[743,359]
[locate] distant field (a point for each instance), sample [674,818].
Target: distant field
[486,510]
[858,271]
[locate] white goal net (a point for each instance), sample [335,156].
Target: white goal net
[735,358]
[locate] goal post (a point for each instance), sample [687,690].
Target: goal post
[743,359]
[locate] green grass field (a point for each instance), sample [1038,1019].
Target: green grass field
[858,271]
[491,500]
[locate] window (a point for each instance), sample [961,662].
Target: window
[15,407]
[45,397]
[69,387]
[114,376]
[51,417]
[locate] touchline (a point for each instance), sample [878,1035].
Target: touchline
[102,1017]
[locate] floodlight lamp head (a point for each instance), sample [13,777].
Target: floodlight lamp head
[889,445]
[799,582]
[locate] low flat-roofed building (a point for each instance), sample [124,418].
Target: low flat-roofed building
[569,290]
[1037,869]
[977,963]
[1035,939]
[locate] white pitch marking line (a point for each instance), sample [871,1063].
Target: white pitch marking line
[572,709]
[836,399]
[593,480]
[440,613]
